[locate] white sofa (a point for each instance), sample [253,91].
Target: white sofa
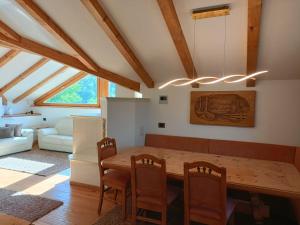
[17,144]
[59,138]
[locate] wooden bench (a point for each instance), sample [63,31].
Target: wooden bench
[252,150]
[282,153]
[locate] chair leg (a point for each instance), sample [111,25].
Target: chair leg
[232,219]
[124,204]
[186,216]
[116,195]
[101,198]
[133,213]
[164,217]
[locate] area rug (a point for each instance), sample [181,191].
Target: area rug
[38,162]
[25,207]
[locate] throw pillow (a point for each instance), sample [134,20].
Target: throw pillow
[17,129]
[6,132]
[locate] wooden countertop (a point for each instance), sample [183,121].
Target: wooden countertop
[260,176]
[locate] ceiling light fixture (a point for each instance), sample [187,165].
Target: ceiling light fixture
[206,80]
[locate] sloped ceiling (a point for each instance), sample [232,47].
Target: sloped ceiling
[143,26]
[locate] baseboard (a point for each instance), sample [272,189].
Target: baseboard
[91,187]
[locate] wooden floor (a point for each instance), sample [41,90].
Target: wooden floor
[80,203]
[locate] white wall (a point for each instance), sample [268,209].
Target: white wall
[22,107]
[277,113]
[53,114]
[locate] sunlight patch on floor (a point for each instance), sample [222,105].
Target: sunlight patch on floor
[45,185]
[9,177]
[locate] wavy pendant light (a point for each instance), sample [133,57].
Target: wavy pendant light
[207,80]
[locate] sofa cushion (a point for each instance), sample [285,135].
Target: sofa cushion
[17,129]
[65,126]
[6,132]
[5,142]
[58,139]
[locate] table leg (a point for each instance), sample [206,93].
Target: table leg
[260,211]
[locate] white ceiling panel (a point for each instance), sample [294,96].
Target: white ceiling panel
[76,21]
[20,21]
[144,28]
[53,83]
[33,79]
[16,66]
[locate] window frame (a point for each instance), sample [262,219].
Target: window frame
[101,92]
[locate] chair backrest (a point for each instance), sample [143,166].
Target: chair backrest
[106,148]
[148,178]
[205,188]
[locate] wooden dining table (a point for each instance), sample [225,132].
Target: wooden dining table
[253,175]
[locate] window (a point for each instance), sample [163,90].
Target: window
[82,92]
[79,91]
[112,89]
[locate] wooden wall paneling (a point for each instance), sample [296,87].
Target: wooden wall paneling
[116,37]
[8,56]
[39,85]
[178,143]
[23,75]
[253,150]
[297,158]
[296,202]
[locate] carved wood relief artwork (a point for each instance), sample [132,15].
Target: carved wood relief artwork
[227,108]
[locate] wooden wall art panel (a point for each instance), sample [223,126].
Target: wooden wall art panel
[227,108]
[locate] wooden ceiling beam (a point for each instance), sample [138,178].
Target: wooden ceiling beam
[23,75]
[254,14]
[57,89]
[169,13]
[116,37]
[37,13]
[39,85]
[7,31]
[4,100]
[34,47]
[8,56]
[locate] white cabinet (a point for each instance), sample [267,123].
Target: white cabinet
[87,131]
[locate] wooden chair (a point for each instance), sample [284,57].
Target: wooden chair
[115,179]
[149,188]
[205,197]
